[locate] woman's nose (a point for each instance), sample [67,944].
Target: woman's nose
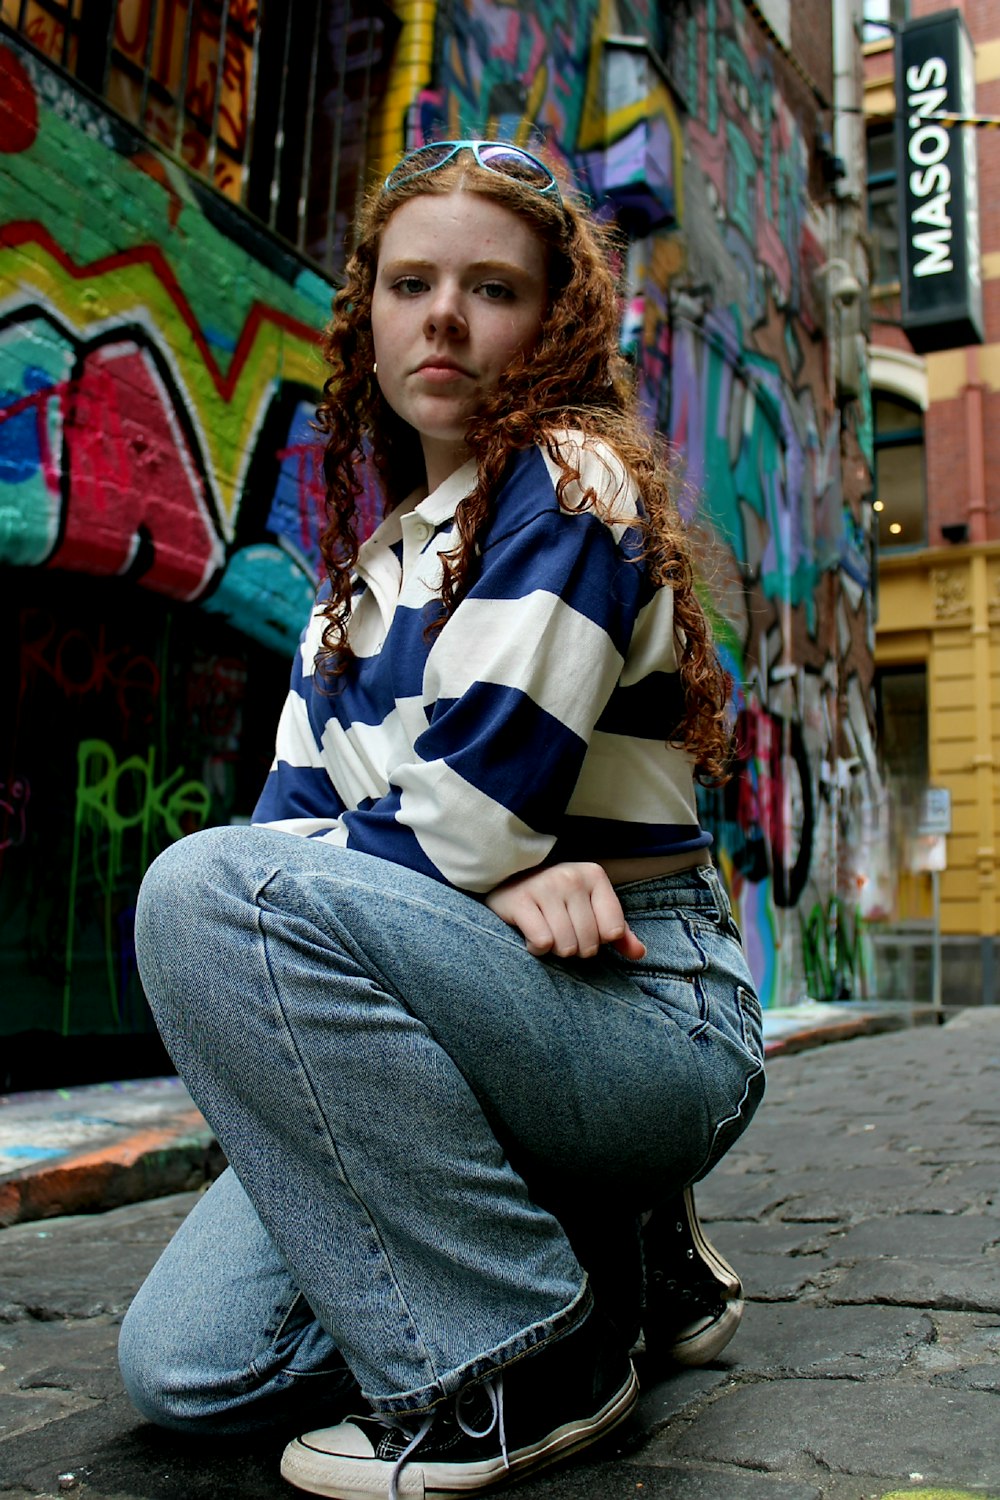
[445,315]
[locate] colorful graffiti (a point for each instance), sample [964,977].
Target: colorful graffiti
[125,730]
[746,401]
[149,338]
[158,368]
[602,105]
[753,157]
[721,323]
[157,355]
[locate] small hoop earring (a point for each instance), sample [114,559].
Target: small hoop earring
[375,368]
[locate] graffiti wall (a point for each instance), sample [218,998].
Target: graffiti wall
[160,502]
[159,516]
[699,132]
[780,470]
[126,725]
[155,352]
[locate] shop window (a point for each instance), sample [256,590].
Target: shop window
[900,487]
[903,730]
[268,101]
[901,709]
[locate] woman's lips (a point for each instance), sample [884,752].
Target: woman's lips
[443,373]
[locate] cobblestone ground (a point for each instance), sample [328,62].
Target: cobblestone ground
[862,1210]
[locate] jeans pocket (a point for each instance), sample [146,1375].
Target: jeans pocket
[670,973]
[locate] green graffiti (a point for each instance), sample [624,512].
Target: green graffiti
[114,801]
[743,177]
[834,952]
[711,68]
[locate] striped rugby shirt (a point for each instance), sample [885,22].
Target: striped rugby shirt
[530,728]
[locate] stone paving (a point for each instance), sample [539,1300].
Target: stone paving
[97,1146]
[862,1210]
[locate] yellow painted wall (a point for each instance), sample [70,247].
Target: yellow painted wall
[941,608]
[413,62]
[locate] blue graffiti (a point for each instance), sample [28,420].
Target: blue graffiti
[20,433]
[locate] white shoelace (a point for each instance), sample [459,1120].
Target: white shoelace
[493,1389]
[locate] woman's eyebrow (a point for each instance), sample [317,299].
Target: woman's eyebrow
[476,267]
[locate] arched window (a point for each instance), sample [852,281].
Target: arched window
[900,485]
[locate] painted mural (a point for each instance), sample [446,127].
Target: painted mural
[159,516]
[722,320]
[160,500]
[155,351]
[780,473]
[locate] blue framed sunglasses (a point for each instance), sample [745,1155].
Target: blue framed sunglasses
[494,156]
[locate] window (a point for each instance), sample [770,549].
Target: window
[883,205]
[900,491]
[901,714]
[877,13]
[903,730]
[269,101]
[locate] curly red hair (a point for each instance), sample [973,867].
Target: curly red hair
[574,377]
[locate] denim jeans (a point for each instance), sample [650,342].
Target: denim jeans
[415,1111]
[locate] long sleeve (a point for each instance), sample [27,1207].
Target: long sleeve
[458,753]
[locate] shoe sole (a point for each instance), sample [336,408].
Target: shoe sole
[716,1263]
[338,1478]
[706,1343]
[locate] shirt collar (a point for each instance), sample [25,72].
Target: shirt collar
[440,505]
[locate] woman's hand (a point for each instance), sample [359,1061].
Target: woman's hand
[568,909]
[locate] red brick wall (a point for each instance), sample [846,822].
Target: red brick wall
[812,43]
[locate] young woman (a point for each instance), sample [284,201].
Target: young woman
[468,999]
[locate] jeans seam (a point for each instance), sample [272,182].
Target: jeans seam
[364,959]
[526,1342]
[737,1114]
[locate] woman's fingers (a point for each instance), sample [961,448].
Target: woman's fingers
[569,909]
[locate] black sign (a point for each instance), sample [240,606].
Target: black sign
[938,190]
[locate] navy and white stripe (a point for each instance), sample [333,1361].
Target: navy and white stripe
[531,726]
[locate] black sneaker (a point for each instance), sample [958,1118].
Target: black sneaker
[693,1300]
[530,1413]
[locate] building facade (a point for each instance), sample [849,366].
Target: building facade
[177,185]
[936,393]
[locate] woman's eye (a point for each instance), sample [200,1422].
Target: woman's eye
[495,291]
[409,286]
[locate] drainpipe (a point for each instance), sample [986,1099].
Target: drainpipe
[973,404]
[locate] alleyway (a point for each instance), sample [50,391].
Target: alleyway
[863,1211]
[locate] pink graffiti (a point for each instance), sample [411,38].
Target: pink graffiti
[311,488]
[82,664]
[132,475]
[761,788]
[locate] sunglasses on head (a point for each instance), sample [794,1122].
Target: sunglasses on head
[494,156]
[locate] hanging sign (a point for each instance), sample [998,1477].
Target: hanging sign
[941,278]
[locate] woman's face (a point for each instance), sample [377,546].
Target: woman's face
[459,291]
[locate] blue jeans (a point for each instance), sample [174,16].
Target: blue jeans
[415,1112]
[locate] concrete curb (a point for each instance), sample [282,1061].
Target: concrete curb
[815,1023]
[150,1163]
[100,1146]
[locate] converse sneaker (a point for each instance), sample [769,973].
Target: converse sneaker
[693,1298]
[527,1414]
